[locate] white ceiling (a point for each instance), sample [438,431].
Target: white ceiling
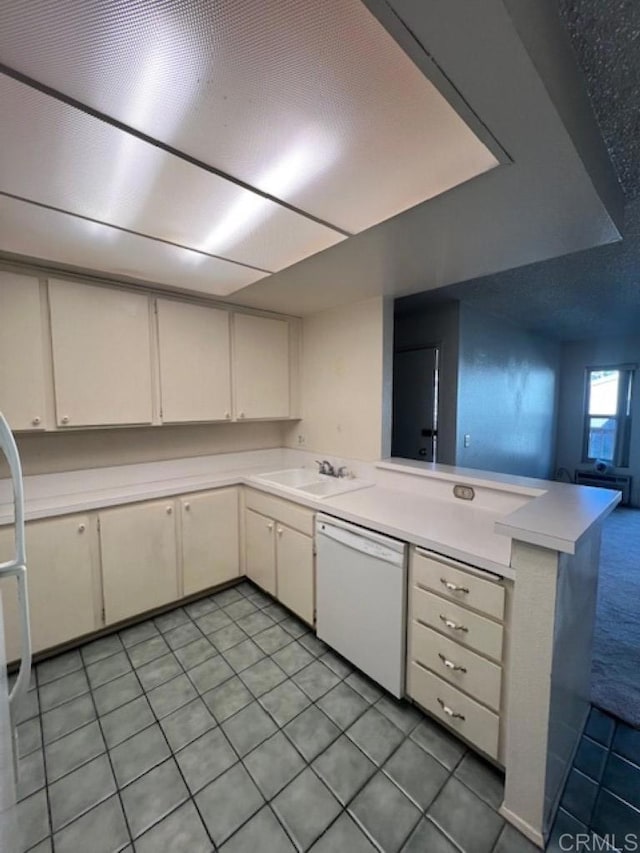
[163,141]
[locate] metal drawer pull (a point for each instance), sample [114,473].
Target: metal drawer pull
[454,625]
[448,711]
[452,587]
[450,664]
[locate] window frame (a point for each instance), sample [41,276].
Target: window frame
[622,416]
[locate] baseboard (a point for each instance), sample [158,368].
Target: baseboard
[525,828]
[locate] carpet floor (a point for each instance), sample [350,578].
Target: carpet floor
[615,678]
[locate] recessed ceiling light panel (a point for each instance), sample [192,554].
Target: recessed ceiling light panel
[36,232]
[60,156]
[311,102]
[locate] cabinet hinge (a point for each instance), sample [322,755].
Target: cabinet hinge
[104,616]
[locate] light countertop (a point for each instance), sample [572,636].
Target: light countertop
[409,502]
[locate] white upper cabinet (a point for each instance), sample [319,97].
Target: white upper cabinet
[22,364]
[195,362]
[101,355]
[261,367]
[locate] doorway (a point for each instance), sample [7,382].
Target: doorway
[415,403]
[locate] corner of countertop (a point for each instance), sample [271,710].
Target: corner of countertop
[560,517]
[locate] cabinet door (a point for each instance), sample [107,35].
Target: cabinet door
[210,544]
[294,553]
[62,581]
[101,355]
[261,367]
[22,375]
[195,362]
[139,560]
[260,550]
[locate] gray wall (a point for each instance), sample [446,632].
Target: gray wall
[435,325]
[507,396]
[576,357]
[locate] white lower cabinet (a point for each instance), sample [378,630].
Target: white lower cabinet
[457,635]
[279,551]
[260,550]
[63,582]
[294,571]
[210,539]
[139,558]
[99,568]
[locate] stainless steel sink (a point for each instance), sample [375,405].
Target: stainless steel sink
[306,481]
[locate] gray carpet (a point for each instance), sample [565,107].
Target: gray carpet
[615,679]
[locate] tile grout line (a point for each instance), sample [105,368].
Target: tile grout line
[108,755]
[172,757]
[239,760]
[313,703]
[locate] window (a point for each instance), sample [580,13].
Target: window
[608,415]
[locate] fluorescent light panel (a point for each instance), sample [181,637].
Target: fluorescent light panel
[36,232]
[234,83]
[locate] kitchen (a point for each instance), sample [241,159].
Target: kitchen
[156,423]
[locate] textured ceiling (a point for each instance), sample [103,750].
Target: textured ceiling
[595,293]
[606,38]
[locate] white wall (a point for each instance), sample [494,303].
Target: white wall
[345,387]
[507,396]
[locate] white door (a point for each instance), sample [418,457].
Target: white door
[210,543]
[22,371]
[195,362]
[260,550]
[294,557]
[62,579]
[101,355]
[139,560]
[261,367]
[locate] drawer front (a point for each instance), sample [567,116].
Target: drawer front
[291,514]
[461,586]
[457,622]
[456,664]
[478,725]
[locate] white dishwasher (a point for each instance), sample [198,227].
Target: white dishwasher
[361,591]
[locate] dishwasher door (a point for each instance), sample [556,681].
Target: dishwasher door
[361,582]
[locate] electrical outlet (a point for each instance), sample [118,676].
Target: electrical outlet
[300,438]
[465,493]
[467,439]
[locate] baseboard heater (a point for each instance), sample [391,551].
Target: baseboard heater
[619,482]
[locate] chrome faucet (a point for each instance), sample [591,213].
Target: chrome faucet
[325,467]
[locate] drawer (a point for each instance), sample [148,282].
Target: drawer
[289,513]
[462,625]
[474,722]
[473,674]
[454,582]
